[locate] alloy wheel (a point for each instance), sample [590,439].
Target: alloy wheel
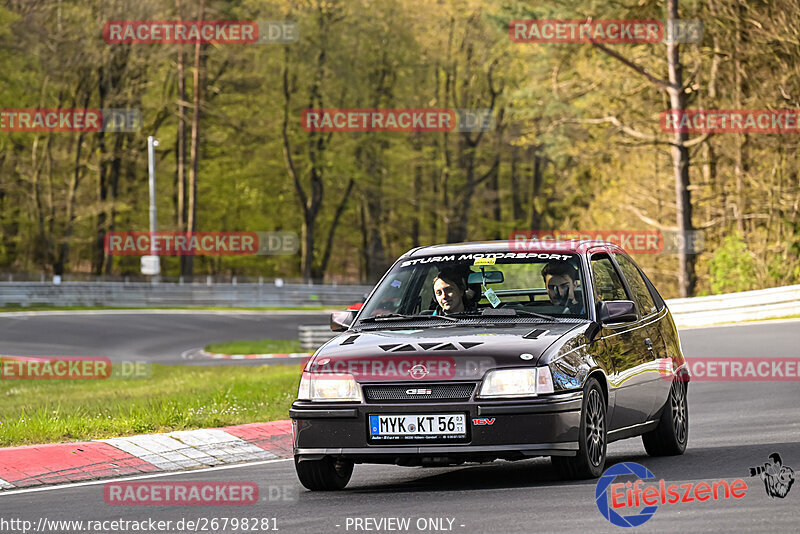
[678,402]
[595,427]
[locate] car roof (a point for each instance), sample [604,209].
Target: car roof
[575,246]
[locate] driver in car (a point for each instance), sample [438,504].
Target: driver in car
[561,279]
[451,292]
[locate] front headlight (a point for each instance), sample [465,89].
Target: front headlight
[527,382]
[328,387]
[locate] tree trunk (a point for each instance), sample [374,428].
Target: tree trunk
[311,203]
[180,147]
[416,222]
[536,179]
[113,183]
[741,138]
[680,161]
[326,255]
[62,257]
[516,198]
[199,63]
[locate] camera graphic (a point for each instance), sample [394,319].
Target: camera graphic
[778,478]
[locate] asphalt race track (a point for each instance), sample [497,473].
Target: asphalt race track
[733,426]
[166,337]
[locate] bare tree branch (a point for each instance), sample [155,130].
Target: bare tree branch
[652,222]
[662,84]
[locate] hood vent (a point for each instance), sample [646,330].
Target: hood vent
[535,333]
[350,340]
[397,347]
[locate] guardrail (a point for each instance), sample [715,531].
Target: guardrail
[695,311]
[178,295]
[735,307]
[313,337]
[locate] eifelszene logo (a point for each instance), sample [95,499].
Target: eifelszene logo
[777,478]
[607,509]
[635,494]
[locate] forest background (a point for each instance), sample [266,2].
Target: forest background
[575,143]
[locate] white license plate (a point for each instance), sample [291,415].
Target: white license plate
[448,424]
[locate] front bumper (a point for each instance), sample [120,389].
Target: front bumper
[545,426]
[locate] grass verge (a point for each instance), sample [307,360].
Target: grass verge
[173,398]
[257,346]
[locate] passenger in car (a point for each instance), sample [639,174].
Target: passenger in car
[561,279]
[451,292]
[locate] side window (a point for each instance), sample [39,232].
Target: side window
[427,301]
[607,284]
[393,297]
[641,294]
[653,292]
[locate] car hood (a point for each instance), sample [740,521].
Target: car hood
[382,355]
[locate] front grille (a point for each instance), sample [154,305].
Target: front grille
[437,392]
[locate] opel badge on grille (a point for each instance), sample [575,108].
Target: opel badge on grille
[418,371]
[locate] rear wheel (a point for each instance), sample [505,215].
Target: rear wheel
[325,474]
[592,438]
[670,436]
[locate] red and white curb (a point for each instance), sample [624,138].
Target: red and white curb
[173,451]
[218,356]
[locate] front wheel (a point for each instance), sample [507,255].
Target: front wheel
[670,436]
[592,438]
[324,475]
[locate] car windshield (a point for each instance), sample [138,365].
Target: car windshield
[526,284]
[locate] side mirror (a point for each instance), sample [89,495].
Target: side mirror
[341,320]
[616,311]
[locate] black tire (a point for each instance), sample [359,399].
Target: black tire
[592,438]
[324,475]
[669,438]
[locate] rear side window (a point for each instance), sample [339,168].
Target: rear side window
[641,295]
[656,296]
[607,284]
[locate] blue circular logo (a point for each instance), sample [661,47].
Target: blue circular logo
[601,495]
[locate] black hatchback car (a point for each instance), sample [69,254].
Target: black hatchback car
[480,351]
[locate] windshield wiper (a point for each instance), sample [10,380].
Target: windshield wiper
[539,315]
[396,316]
[507,312]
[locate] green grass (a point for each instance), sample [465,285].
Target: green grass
[47,307]
[260,346]
[173,398]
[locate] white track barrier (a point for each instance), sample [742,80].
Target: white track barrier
[735,307]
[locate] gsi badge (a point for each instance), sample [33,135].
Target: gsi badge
[420,391]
